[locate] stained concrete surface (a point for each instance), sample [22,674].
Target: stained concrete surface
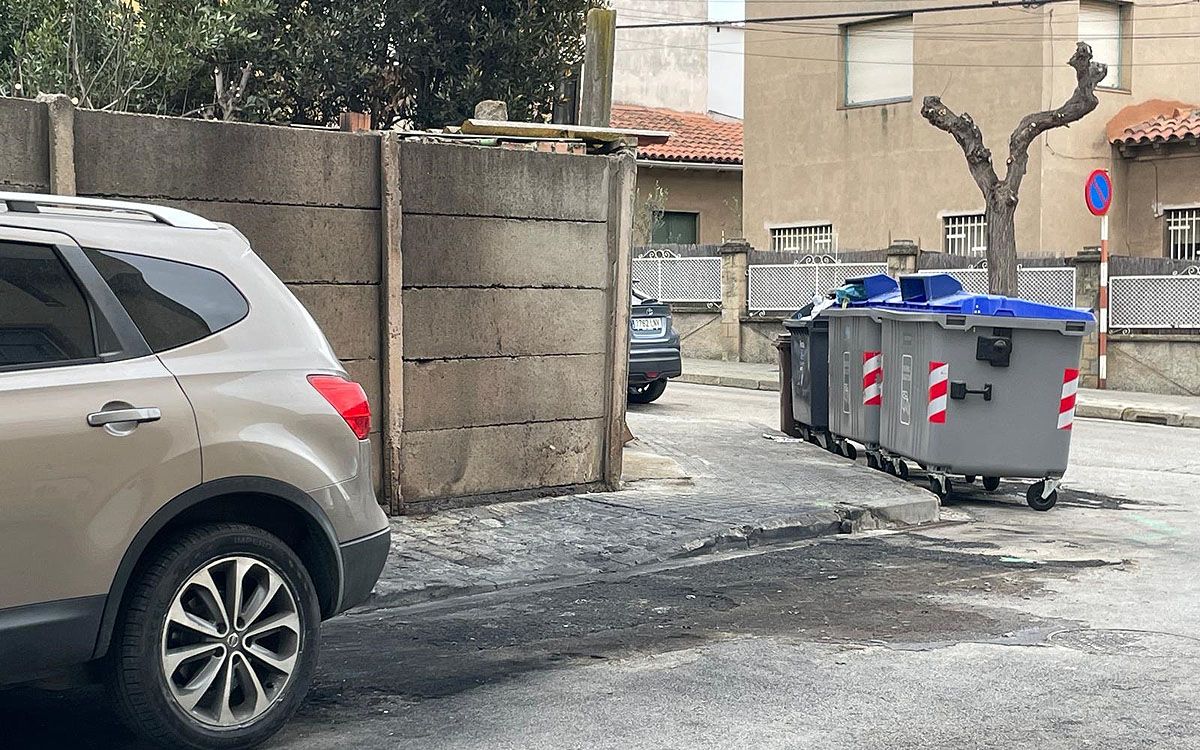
[999,628]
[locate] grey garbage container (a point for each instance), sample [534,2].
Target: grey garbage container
[980,385]
[856,364]
[810,362]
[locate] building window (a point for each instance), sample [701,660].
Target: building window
[674,228]
[1183,233]
[964,234]
[878,61]
[1101,25]
[814,238]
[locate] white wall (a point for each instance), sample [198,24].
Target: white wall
[662,67]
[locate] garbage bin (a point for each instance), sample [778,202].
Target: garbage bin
[809,382]
[980,385]
[856,364]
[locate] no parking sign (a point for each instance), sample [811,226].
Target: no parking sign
[1098,192]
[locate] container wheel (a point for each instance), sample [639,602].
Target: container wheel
[849,451]
[969,479]
[991,484]
[1033,496]
[936,487]
[902,469]
[872,463]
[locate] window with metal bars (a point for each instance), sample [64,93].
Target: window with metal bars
[1183,233]
[813,238]
[965,234]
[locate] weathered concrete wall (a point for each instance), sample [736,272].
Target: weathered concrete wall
[1155,363]
[715,195]
[758,339]
[480,295]
[25,147]
[507,292]
[699,332]
[1153,184]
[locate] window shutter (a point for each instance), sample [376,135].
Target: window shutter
[1100,26]
[879,58]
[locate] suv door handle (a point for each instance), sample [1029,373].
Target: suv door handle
[101,418]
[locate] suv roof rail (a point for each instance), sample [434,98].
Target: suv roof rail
[32,203]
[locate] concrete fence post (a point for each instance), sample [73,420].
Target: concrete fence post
[391,321]
[735,294]
[1087,294]
[621,201]
[62,142]
[903,256]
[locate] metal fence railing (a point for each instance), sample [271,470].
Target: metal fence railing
[786,287]
[1154,301]
[678,279]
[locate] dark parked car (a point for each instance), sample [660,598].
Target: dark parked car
[653,349]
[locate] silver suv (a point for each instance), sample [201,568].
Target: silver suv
[185,470]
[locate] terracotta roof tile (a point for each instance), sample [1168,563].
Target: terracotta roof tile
[694,137]
[1156,122]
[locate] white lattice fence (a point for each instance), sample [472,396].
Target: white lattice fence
[1051,285]
[775,287]
[678,279]
[1154,301]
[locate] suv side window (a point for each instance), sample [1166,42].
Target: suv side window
[44,317]
[171,303]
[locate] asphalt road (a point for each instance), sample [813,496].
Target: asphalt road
[1000,628]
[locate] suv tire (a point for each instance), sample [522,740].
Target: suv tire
[647,393]
[267,655]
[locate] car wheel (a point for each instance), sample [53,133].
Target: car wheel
[644,394]
[217,642]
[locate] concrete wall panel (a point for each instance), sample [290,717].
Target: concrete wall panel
[503,390]
[1152,363]
[475,181]
[347,313]
[24,149]
[305,243]
[141,156]
[471,251]
[700,334]
[479,460]
[443,323]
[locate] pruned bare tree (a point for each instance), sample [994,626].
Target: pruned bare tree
[1000,195]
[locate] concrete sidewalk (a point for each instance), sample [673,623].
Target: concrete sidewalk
[1152,408]
[700,477]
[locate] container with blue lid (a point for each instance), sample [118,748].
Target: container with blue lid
[979,385]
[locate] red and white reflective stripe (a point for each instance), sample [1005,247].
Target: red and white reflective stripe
[872,378]
[1066,406]
[939,379]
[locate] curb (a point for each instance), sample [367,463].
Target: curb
[1134,414]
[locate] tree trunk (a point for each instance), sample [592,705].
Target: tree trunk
[1001,244]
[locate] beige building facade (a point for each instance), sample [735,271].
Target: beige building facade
[838,155]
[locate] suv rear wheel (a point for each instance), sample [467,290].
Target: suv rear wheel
[217,644]
[644,394]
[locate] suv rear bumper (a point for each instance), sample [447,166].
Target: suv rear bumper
[647,364]
[362,562]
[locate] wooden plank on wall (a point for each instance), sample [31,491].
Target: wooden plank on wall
[446,393]
[480,460]
[474,181]
[142,156]
[475,251]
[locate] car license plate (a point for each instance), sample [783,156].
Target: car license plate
[647,324]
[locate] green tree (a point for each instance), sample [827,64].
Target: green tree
[419,62]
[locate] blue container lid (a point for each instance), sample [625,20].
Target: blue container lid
[864,291]
[941,293]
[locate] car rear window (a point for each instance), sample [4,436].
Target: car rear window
[44,317]
[171,303]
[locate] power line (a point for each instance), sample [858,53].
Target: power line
[850,14]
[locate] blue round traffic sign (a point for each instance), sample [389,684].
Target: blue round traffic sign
[1098,192]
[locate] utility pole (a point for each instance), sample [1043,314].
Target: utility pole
[600,41]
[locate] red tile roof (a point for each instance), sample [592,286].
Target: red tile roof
[1155,121]
[694,138]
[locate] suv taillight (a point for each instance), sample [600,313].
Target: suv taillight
[348,399]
